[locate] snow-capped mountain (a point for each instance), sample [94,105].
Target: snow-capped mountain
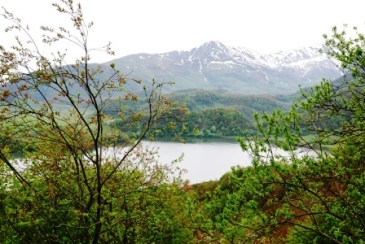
[214,65]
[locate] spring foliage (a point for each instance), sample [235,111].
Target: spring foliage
[85,178]
[77,182]
[313,196]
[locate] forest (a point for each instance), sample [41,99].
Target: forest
[212,114]
[73,169]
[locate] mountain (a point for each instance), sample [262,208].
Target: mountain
[214,65]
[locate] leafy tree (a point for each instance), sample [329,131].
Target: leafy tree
[315,191]
[76,183]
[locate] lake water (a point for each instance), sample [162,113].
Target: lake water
[203,161]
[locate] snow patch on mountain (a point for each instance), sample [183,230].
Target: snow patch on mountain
[295,58]
[200,71]
[217,52]
[215,65]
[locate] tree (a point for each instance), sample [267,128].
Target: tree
[77,182]
[315,191]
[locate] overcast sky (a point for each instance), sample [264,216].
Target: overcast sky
[157,26]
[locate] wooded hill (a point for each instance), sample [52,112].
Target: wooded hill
[214,113]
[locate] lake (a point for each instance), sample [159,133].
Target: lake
[203,161]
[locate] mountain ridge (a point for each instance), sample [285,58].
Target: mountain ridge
[214,65]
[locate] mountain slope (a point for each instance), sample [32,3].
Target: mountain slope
[216,66]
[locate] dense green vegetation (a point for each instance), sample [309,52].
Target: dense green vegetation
[87,179]
[80,183]
[220,113]
[246,104]
[212,113]
[316,198]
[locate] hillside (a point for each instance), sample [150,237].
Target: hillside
[213,113]
[216,66]
[222,86]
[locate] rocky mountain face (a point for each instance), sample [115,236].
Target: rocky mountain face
[216,66]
